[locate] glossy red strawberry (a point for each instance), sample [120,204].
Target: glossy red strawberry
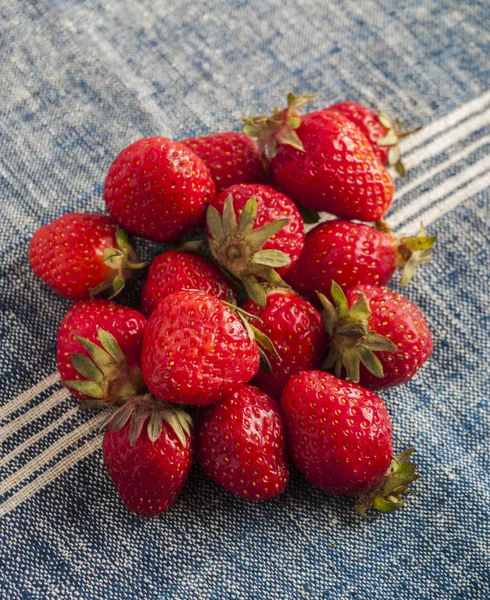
[339,436]
[158,189]
[367,120]
[324,162]
[148,449]
[255,232]
[353,253]
[295,329]
[176,270]
[383,134]
[230,157]
[82,254]
[196,350]
[241,445]
[379,338]
[112,358]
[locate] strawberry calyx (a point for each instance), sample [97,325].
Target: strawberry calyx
[388,495]
[237,247]
[123,261]
[394,133]
[108,379]
[147,409]
[262,340]
[278,128]
[111,384]
[352,342]
[410,251]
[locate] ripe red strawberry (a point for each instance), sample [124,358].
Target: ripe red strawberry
[82,254]
[147,449]
[254,229]
[373,319]
[176,270]
[99,350]
[197,350]
[339,435]
[323,161]
[230,157]
[352,253]
[295,329]
[241,445]
[158,189]
[383,134]
[368,121]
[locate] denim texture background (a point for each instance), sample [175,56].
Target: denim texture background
[81,80]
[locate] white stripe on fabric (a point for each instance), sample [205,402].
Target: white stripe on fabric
[34,413]
[407,212]
[28,395]
[58,469]
[447,140]
[455,158]
[442,208]
[445,123]
[32,440]
[56,448]
[428,216]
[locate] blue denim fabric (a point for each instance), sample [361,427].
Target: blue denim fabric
[81,80]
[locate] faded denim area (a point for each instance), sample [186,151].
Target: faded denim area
[81,80]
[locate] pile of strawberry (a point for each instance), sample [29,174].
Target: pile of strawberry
[259,342]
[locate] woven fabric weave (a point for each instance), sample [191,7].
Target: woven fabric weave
[82,79]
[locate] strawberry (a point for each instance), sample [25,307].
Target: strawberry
[254,229]
[295,329]
[352,253]
[383,134]
[147,449]
[241,445]
[99,350]
[323,161]
[197,350]
[80,255]
[176,270]
[158,189]
[230,157]
[374,319]
[339,436]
